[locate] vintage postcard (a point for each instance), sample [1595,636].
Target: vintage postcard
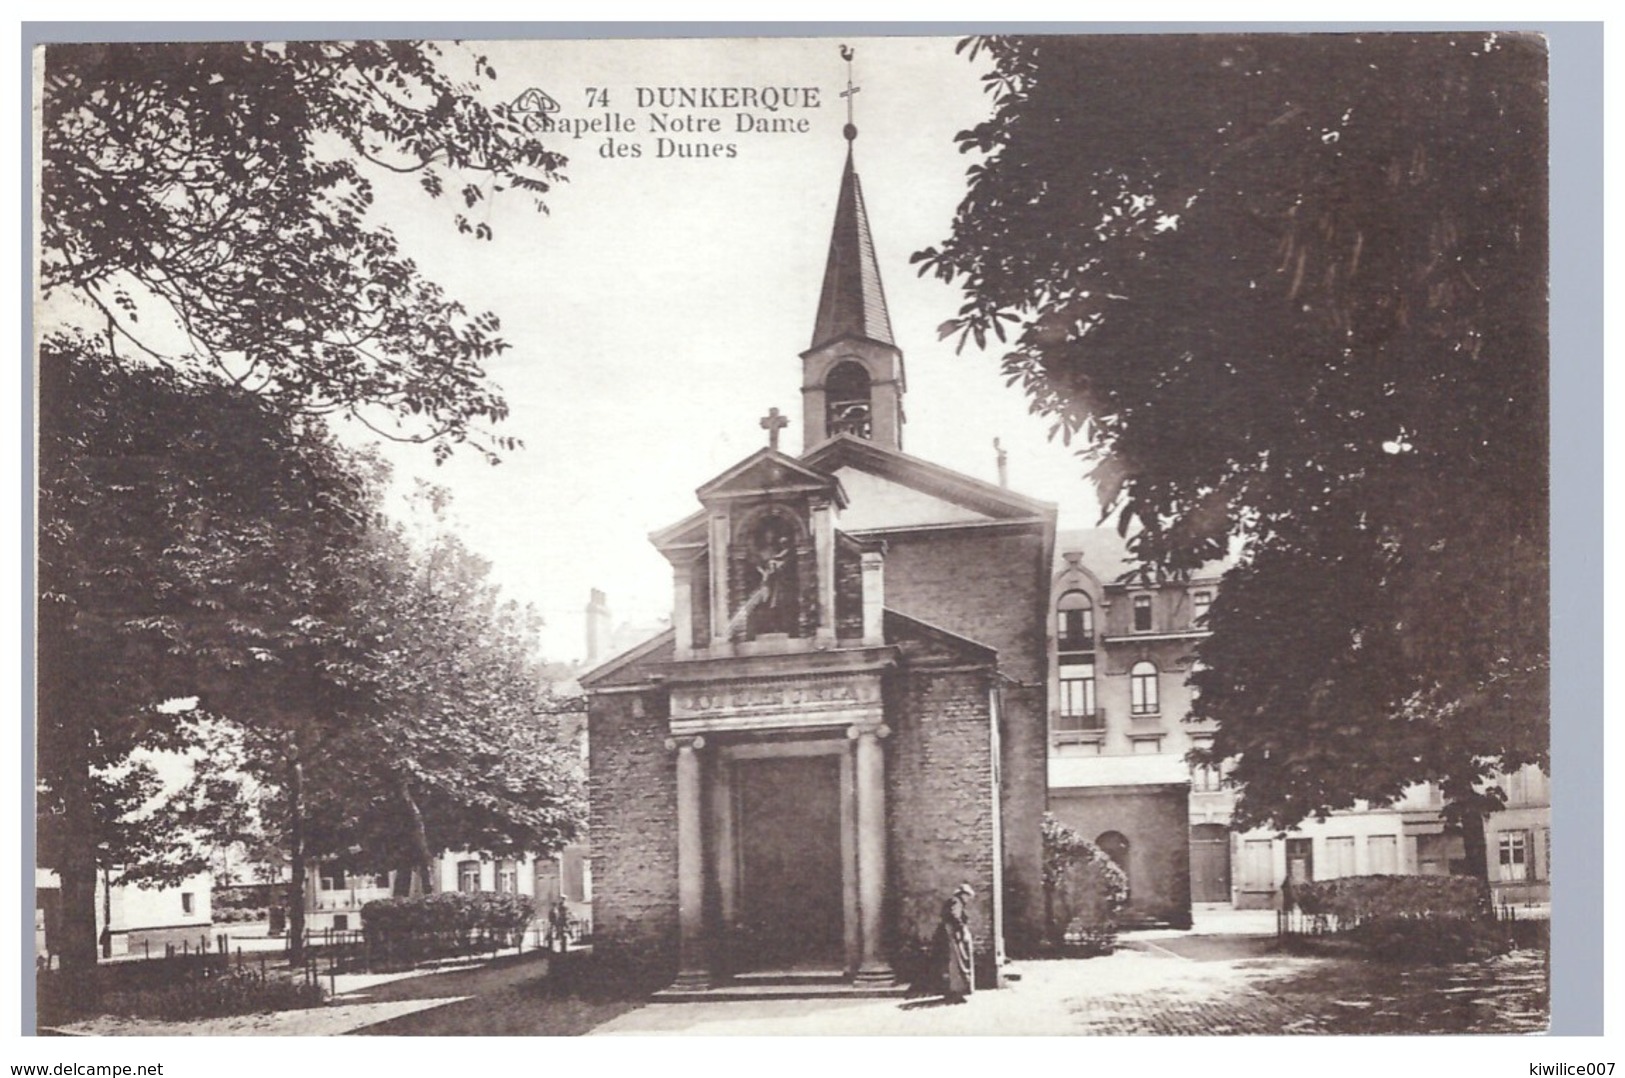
[1033,534]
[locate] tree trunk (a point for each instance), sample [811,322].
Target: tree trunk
[1474,845]
[76,945]
[420,837]
[107,913]
[296,852]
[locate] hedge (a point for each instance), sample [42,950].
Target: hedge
[1407,918]
[1350,901]
[455,920]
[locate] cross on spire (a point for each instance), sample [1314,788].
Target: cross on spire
[851,130]
[773,422]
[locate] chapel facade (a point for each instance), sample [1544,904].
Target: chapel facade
[848,717]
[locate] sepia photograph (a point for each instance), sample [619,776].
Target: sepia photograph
[1036,533]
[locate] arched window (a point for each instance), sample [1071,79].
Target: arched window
[1114,844]
[1142,688]
[847,401]
[1075,622]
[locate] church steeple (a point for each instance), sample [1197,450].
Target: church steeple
[852,376]
[852,304]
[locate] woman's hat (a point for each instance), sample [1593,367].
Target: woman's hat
[964,889]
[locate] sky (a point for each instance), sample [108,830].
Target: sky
[659,308]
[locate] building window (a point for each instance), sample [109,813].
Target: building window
[468,876]
[507,878]
[1142,613]
[1142,688]
[1077,703]
[332,878]
[1147,746]
[1339,857]
[1200,601]
[1382,851]
[1075,622]
[187,904]
[1516,864]
[1205,779]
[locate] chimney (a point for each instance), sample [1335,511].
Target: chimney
[597,626]
[1004,463]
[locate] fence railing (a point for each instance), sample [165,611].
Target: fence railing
[1291,921]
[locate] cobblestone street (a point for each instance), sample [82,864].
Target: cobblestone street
[1165,983]
[1237,985]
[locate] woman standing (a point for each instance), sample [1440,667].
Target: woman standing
[961,944]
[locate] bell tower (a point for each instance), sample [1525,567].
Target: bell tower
[852,378]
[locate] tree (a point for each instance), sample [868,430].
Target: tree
[188,536]
[459,747]
[1292,298]
[209,204]
[204,210]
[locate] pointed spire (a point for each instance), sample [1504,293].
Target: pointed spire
[852,302]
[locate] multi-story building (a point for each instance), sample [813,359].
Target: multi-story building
[1121,649]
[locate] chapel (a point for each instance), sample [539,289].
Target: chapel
[847,718]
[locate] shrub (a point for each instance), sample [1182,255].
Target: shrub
[1350,901]
[1407,918]
[1083,891]
[216,997]
[455,921]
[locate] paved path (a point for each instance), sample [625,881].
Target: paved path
[1132,991]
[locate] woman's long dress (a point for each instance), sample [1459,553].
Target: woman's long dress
[961,948]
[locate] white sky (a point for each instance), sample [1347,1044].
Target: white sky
[660,309]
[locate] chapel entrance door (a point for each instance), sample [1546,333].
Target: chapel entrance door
[791,913]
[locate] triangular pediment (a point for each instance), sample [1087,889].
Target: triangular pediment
[770,472]
[888,489]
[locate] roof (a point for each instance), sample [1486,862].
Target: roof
[628,668]
[1105,554]
[989,499]
[852,303]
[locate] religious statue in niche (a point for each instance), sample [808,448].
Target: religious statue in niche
[772,605]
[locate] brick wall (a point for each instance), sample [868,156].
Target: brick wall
[939,791]
[633,807]
[1156,822]
[992,586]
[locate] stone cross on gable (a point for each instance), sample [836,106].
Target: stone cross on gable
[773,422]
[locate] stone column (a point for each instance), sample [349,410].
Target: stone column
[870,767]
[874,599]
[719,579]
[823,530]
[691,970]
[682,609]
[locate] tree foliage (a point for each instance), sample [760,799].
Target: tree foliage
[459,747]
[1289,293]
[210,202]
[205,216]
[188,532]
